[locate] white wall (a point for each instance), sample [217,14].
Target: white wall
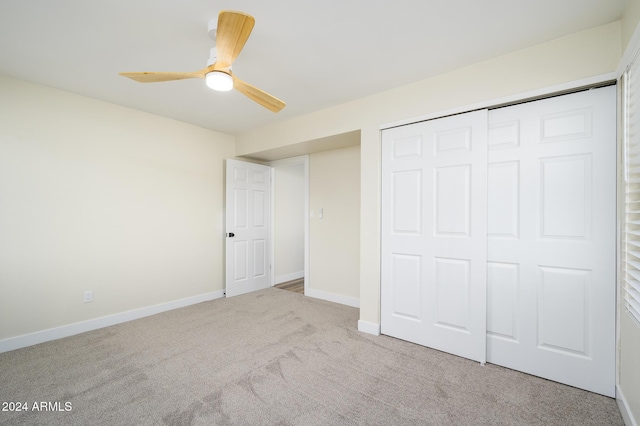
[99,197]
[576,57]
[334,187]
[288,232]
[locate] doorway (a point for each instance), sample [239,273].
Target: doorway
[290,224]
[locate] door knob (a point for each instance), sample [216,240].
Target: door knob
[231,234]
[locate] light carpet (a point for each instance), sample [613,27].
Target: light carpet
[274,357]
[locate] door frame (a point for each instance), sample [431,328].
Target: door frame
[304,160]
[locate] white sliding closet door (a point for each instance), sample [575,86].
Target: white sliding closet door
[508,242]
[552,246]
[434,233]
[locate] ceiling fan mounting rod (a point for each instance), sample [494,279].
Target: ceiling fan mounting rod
[212,28]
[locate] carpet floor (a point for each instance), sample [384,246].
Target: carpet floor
[273,358]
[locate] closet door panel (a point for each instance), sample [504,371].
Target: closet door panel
[434,234]
[563,308]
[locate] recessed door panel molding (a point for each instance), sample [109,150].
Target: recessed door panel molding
[259,176]
[259,258]
[504,135]
[259,206]
[434,231]
[241,258]
[241,206]
[247,234]
[566,125]
[407,282]
[452,200]
[240,175]
[407,148]
[565,253]
[406,192]
[503,182]
[565,199]
[503,282]
[452,285]
[452,140]
[562,309]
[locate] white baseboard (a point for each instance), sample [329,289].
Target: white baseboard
[288,277]
[30,339]
[625,411]
[332,297]
[369,327]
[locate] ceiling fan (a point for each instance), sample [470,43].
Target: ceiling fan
[231,34]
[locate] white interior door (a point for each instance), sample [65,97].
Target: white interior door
[552,247]
[248,198]
[434,233]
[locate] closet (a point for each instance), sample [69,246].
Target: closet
[499,236]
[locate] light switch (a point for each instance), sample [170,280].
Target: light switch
[320,213]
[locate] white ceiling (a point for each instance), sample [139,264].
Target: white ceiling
[311,54]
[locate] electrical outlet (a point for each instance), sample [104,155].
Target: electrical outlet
[88,296]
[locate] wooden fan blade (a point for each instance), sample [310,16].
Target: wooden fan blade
[263,98]
[153,77]
[232,33]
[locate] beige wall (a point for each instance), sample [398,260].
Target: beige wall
[629,330]
[334,187]
[630,21]
[99,197]
[629,380]
[288,232]
[579,56]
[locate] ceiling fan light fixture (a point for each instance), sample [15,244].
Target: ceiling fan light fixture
[219,80]
[231,32]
